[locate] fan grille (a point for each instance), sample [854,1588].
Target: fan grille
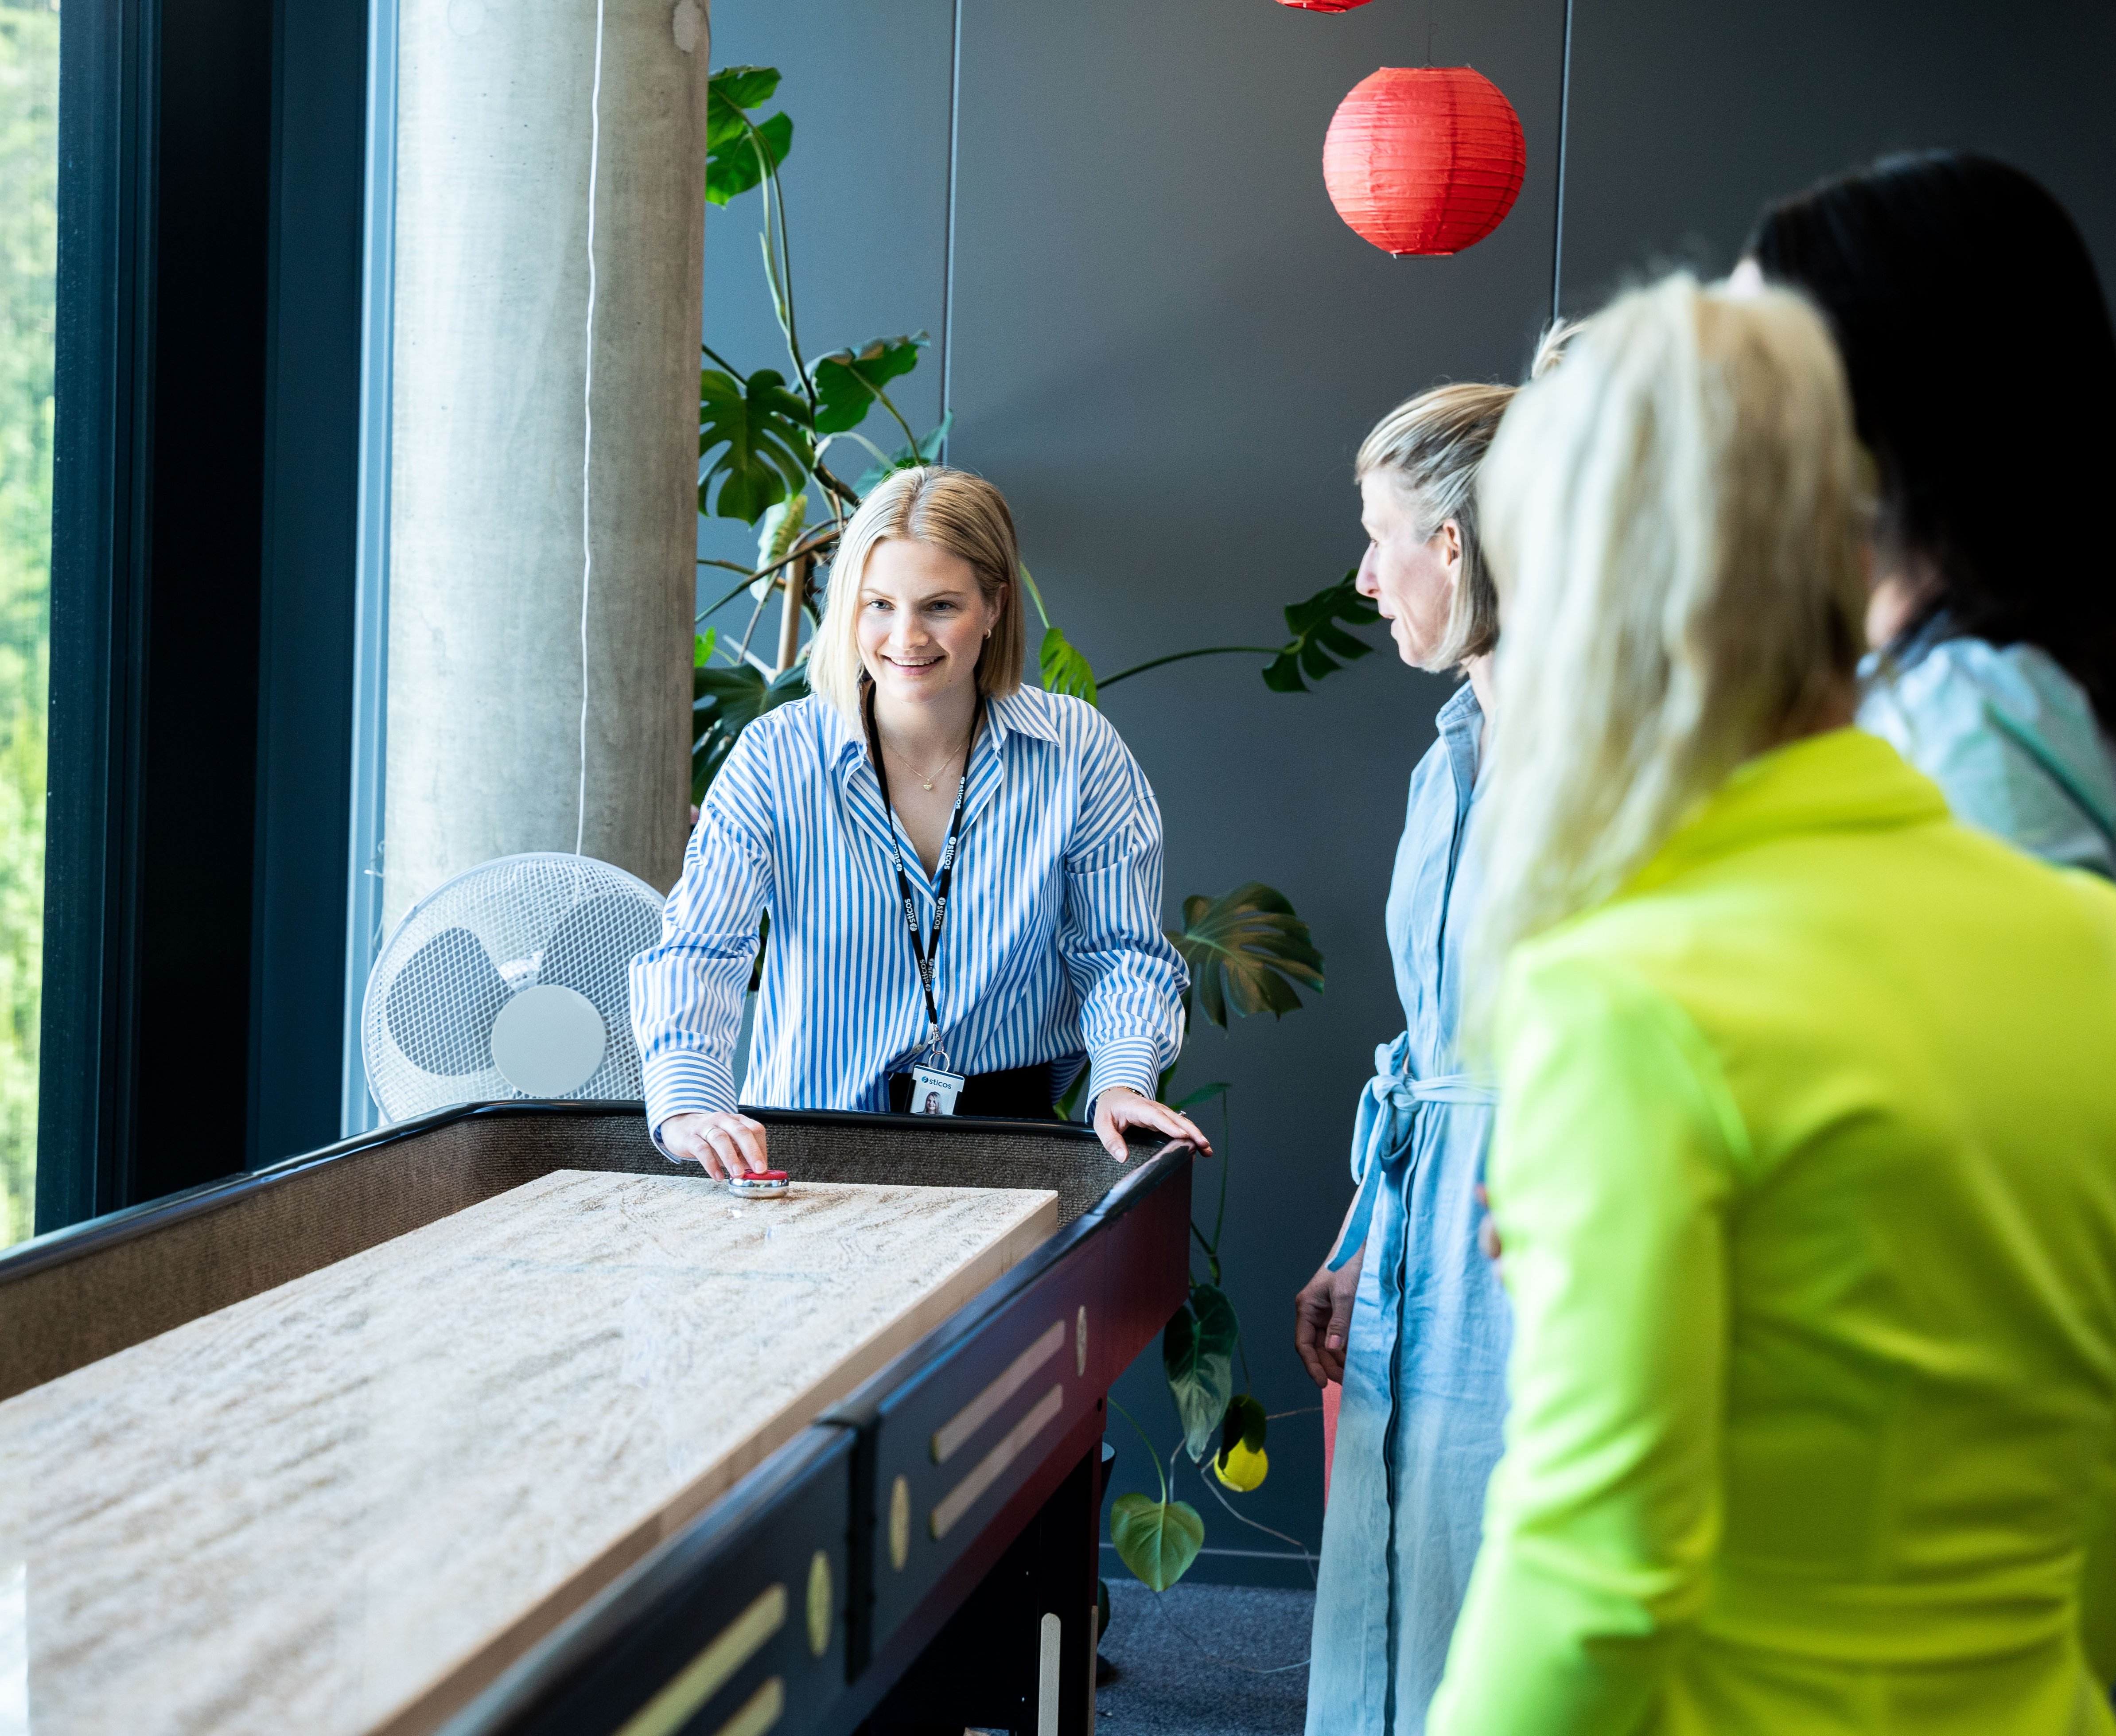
[472,944]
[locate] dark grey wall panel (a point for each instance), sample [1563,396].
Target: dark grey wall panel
[1687,118]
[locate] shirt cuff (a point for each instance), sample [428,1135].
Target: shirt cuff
[1123,1061]
[685,1085]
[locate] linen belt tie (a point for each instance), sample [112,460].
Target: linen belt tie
[1388,1125]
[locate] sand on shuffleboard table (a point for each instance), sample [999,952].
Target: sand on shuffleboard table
[341,1505]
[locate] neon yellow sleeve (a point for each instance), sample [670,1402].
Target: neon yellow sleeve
[1610,1173]
[2097,1591]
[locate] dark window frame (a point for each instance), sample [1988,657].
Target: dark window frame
[203,579]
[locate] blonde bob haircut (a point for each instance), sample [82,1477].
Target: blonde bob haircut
[1430,446]
[1674,517]
[944,509]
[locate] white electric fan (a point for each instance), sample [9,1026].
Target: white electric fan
[509,981]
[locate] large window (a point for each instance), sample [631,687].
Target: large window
[28,229]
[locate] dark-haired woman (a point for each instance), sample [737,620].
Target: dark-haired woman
[1993,614]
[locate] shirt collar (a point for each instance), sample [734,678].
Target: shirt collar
[1460,723]
[1025,711]
[1843,781]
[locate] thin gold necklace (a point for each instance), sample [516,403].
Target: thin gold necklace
[925,778]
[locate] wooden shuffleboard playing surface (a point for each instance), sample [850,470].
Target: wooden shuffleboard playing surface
[340,1504]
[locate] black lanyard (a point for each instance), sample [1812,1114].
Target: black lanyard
[928,958]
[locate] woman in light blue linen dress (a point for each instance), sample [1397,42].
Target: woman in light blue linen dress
[1982,376]
[1406,1311]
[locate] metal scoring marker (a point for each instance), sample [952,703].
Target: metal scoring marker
[710,1671]
[949,1436]
[959,1499]
[819,1604]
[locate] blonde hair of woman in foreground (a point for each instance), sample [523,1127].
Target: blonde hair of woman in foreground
[1805,1160]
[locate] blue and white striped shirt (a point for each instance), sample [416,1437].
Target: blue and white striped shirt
[1053,948]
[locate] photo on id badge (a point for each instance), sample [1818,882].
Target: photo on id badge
[934,1092]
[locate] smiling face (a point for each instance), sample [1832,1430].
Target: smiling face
[923,621]
[1410,578]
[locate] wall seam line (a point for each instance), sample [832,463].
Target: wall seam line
[1564,116]
[948,262]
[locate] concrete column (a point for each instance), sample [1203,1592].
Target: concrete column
[484,674]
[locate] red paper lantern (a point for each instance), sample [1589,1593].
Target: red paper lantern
[1323,6]
[1424,159]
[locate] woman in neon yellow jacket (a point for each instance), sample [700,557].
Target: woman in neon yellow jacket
[1806,1157]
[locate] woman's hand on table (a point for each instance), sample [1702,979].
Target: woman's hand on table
[1323,1319]
[727,1143]
[1119,1107]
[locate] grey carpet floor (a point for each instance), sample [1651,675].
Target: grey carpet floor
[1198,1660]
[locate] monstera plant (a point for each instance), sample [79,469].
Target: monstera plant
[765,445]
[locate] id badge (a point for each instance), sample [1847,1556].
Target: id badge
[933,1092]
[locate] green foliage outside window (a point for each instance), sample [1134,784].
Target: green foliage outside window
[29,230]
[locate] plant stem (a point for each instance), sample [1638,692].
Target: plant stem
[1306,1554]
[1212,1255]
[781,278]
[1209,650]
[836,490]
[755,615]
[733,566]
[747,582]
[719,360]
[814,543]
[887,405]
[1152,1452]
[1038,596]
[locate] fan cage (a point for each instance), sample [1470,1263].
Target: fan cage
[474,942]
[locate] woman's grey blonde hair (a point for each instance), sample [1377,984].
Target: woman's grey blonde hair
[944,509]
[1673,518]
[1430,446]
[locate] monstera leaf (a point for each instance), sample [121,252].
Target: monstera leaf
[755,432]
[1156,1540]
[740,152]
[1063,668]
[850,382]
[725,702]
[1246,951]
[1198,1355]
[1318,642]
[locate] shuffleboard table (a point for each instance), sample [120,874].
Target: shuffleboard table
[496,1423]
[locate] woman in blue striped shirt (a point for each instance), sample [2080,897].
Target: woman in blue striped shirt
[962,875]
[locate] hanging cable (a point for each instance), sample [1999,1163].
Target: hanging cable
[587,430]
[1564,119]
